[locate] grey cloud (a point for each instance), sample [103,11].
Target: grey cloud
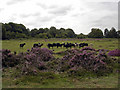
[11,18]
[55,9]
[59,21]
[45,18]
[11,2]
[40,20]
[60,10]
[79,14]
[110,21]
[105,14]
[24,15]
[53,6]
[42,5]
[29,15]
[111,6]
[1,9]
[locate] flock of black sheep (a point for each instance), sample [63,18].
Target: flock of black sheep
[51,45]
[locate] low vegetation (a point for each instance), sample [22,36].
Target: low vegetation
[89,67]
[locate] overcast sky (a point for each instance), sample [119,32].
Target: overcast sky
[80,15]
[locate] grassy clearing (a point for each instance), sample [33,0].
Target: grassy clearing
[13,45]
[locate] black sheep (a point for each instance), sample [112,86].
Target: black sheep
[83,44]
[59,45]
[22,45]
[50,45]
[40,45]
[37,45]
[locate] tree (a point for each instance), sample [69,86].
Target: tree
[20,35]
[106,33]
[118,34]
[3,32]
[33,32]
[70,33]
[62,33]
[46,30]
[81,35]
[11,30]
[113,33]
[41,30]
[95,33]
[52,32]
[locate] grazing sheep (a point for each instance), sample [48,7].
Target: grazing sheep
[69,45]
[76,44]
[22,45]
[83,44]
[37,45]
[40,45]
[50,45]
[59,45]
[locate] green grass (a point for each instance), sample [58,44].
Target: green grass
[13,45]
[51,80]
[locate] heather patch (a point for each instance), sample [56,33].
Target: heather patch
[74,62]
[115,52]
[87,60]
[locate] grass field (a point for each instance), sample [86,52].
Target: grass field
[13,45]
[11,78]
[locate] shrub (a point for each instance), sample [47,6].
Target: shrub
[87,60]
[36,59]
[88,48]
[9,59]
[115,52]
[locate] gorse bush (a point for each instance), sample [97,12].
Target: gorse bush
[115,52]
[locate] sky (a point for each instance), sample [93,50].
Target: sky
[79,15]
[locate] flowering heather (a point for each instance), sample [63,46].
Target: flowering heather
[36,58]
[103,50]
[88,48]
[115,52]
[9,59]
[74,61]
[84,39]
[87,59]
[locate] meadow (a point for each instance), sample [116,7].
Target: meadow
[11,77]
[13,45]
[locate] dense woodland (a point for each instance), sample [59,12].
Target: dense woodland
[13,31]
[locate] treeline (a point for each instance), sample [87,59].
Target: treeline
[13,31]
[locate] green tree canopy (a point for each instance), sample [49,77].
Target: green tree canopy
[95,33]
